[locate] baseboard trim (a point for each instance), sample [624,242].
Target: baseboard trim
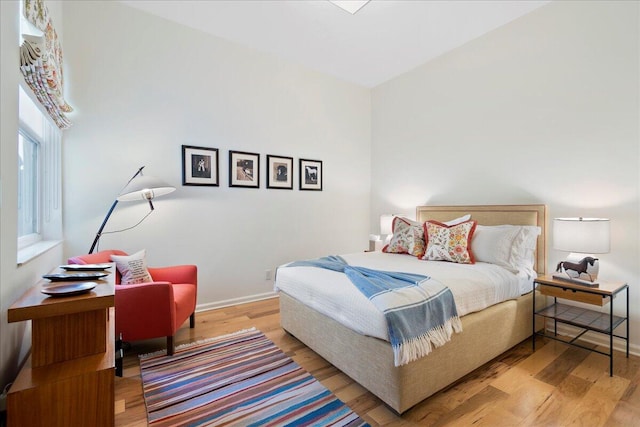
[567,330]
[596,338]
[235,301]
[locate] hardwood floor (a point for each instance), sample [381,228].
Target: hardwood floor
[557,385]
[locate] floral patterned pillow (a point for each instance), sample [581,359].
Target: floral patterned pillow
[408,238]
[449,242]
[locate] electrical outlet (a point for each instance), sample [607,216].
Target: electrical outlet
[267,274]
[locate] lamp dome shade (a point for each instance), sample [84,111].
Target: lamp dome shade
[386,224]
[582,235]
[144,188]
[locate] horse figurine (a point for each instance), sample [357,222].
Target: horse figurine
[579,267]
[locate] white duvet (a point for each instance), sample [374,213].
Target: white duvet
[474,287]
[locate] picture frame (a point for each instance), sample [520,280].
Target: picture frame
[310,172]
[200,166]
[279,172]
[244,169]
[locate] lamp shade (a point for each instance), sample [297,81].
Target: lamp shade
[144,187]
[386,224]
[581,235]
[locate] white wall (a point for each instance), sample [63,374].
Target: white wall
[542,110]
[143,86]
[15,338]
[563,80]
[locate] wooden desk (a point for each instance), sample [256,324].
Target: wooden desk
[69,377]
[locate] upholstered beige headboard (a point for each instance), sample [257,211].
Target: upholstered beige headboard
[496,215]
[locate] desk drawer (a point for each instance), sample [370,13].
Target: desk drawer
[573,295]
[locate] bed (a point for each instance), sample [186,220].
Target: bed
[369,359]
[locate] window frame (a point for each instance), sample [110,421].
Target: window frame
[49,181]
[25,240]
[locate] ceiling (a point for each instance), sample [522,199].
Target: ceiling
[383,40]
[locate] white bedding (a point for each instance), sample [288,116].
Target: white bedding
[474,287]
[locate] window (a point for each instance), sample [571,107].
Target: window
[28,191]
[39,178]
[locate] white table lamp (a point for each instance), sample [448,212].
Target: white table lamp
[583,237]
[386,226]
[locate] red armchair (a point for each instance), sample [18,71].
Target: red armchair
[154,309]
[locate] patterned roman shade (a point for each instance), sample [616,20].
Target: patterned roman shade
[41,63]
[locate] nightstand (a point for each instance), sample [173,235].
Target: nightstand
[583,318]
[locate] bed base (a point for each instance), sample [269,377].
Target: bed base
[369,361]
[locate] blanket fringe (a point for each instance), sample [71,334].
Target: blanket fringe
[418,347]
[194,343]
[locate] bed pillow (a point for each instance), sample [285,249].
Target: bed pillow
[133,268]
[457,221]
[408,238]
[495,245]
[449,242]
[523,255]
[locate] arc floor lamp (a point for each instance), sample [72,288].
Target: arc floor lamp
[139,187]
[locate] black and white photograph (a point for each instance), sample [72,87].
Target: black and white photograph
[310,174]
[199,166]
[279,172]
[244,169]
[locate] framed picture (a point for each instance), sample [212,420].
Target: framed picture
[199,166]
[244,169]
[279,172]
[310,174]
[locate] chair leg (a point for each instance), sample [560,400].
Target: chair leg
[170,347]
[192,320]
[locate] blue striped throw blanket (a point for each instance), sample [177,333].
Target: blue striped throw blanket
[420,311]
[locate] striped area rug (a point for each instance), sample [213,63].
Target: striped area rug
[240,379]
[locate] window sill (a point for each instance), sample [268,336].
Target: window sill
[32,251]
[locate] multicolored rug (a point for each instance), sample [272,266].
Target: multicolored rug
[237,379]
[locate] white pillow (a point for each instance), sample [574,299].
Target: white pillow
[494,244]
[509,246]
[133,268]
[524,248]
[457,221]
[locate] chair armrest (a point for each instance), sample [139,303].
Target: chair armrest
[145,309]
[149,294]
[175,274]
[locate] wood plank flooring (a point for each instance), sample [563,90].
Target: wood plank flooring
[557,385]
